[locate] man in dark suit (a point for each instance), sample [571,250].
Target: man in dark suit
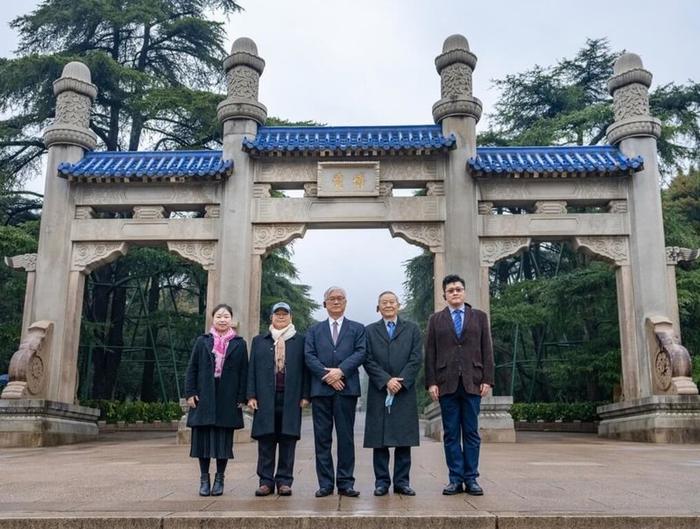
[459,370]
[394,352]
[334,350]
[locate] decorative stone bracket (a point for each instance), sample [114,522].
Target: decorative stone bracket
[28,366]
[25,261]
[203,253]
[268,237]
[671,363]
[675,255]
[428,235]
[89,256]
[493,249]
[614,249]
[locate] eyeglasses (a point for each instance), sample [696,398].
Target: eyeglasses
[454,290]
[336,299]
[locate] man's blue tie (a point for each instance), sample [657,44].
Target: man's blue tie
[457,319]
[390,329]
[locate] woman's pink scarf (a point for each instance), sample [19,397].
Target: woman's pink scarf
[220,345]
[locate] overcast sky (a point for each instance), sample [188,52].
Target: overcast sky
[367,62]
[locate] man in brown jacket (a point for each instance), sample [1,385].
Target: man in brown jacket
[459,370]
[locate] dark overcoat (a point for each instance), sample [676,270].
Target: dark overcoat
[217,406]
[262,385]
[447,356]
[348,355]
[400,356]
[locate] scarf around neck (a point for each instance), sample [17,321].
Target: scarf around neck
[279,336]
[220,345]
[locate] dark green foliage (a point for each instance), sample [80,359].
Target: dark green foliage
[113,411]
[555,411]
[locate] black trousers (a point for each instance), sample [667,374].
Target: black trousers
[276,444]
[338,411]
[402,466]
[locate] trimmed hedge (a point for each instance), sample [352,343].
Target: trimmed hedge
[555,411]
[114,411]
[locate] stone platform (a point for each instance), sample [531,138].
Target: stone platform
[544,480]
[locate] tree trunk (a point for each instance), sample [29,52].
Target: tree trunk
[148,391]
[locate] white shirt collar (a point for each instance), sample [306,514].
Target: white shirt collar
[339,320]
[394,321]
[463,308]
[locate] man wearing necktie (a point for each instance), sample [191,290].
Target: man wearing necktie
[394,353]
[334,350]
[459,370]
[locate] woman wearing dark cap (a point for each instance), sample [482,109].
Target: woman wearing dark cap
[215,385]
[278,388]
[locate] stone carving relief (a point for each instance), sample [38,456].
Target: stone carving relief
[73,109]
[25,261]
[672,365]
[631,101]
[149,212]
[212,211]
[617,206]
[675,255]
[243,82]
[455,80]
[497,248]
[311,190]
[203,253]
[88,256]
[614,249]
[28,366]
[84,212]
[429,235]
[262,190]
[435,189]
[386,189]
[266,238]
[550,207]
[485,208]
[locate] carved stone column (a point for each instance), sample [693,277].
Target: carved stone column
[204,254]
[430,236]
[54,300]
[26,262]
[458,112]
[240,114]
[675,255]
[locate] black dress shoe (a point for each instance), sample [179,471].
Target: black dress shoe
[473,488]
[204,485]
[322,493]
[404,490]
[350,493]
[452,488]
[381,491]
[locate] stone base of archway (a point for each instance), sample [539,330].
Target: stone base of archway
[655,419]
[29,423]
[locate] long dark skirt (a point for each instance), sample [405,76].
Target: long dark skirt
[212,442]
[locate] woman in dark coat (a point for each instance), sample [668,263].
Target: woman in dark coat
[278,388]
[215,385]
[394,352]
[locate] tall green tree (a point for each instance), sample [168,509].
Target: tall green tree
[155,62]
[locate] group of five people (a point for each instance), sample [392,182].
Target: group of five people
[286,371]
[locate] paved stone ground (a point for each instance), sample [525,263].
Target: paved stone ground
[133,475]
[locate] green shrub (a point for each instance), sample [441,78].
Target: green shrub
[114,411]
[555,411]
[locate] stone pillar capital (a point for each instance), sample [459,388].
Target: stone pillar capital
[74,96]
[455,65]
[243,69]
[629,87]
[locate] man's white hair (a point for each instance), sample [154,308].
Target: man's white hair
[330,290]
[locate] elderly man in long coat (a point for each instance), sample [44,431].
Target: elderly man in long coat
[394,356]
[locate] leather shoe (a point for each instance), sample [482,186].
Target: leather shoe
[322,493]
[284,490]
[217,489]
[404,490]
[473,488]
[452,488]
[263,490]
[350,493]
[381,491]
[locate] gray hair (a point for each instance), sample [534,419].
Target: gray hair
[388,292]
[330,290]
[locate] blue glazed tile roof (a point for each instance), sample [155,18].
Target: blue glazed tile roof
[552,161]
[410,139]
[147,165]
